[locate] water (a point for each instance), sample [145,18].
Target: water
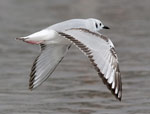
[74,88]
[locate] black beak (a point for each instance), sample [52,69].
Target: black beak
[105,27]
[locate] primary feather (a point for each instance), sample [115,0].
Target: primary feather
[102,55]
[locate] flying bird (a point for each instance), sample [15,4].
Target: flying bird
[56,40]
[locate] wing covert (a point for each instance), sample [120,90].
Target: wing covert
[101,52]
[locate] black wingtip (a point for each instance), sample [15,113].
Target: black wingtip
[119,99]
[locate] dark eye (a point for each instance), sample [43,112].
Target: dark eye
[96,25]
[100,24]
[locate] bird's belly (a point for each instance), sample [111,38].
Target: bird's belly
[57,39]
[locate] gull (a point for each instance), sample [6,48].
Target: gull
[56,40]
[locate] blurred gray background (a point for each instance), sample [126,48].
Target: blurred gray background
[74,88]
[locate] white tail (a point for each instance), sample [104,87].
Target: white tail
[38,37]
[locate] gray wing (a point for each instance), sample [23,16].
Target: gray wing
[100,50]
[44,65]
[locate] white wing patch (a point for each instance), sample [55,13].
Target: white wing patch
[100,50]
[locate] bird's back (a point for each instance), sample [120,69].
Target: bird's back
[72,23]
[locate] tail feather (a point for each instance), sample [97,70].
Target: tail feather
[22,38]
[27,40]
[38,37]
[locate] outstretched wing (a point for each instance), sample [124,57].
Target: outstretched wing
[46,62]
[100,50]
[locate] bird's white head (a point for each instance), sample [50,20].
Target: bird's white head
[97,25]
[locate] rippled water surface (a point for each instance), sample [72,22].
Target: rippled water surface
[74,88]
